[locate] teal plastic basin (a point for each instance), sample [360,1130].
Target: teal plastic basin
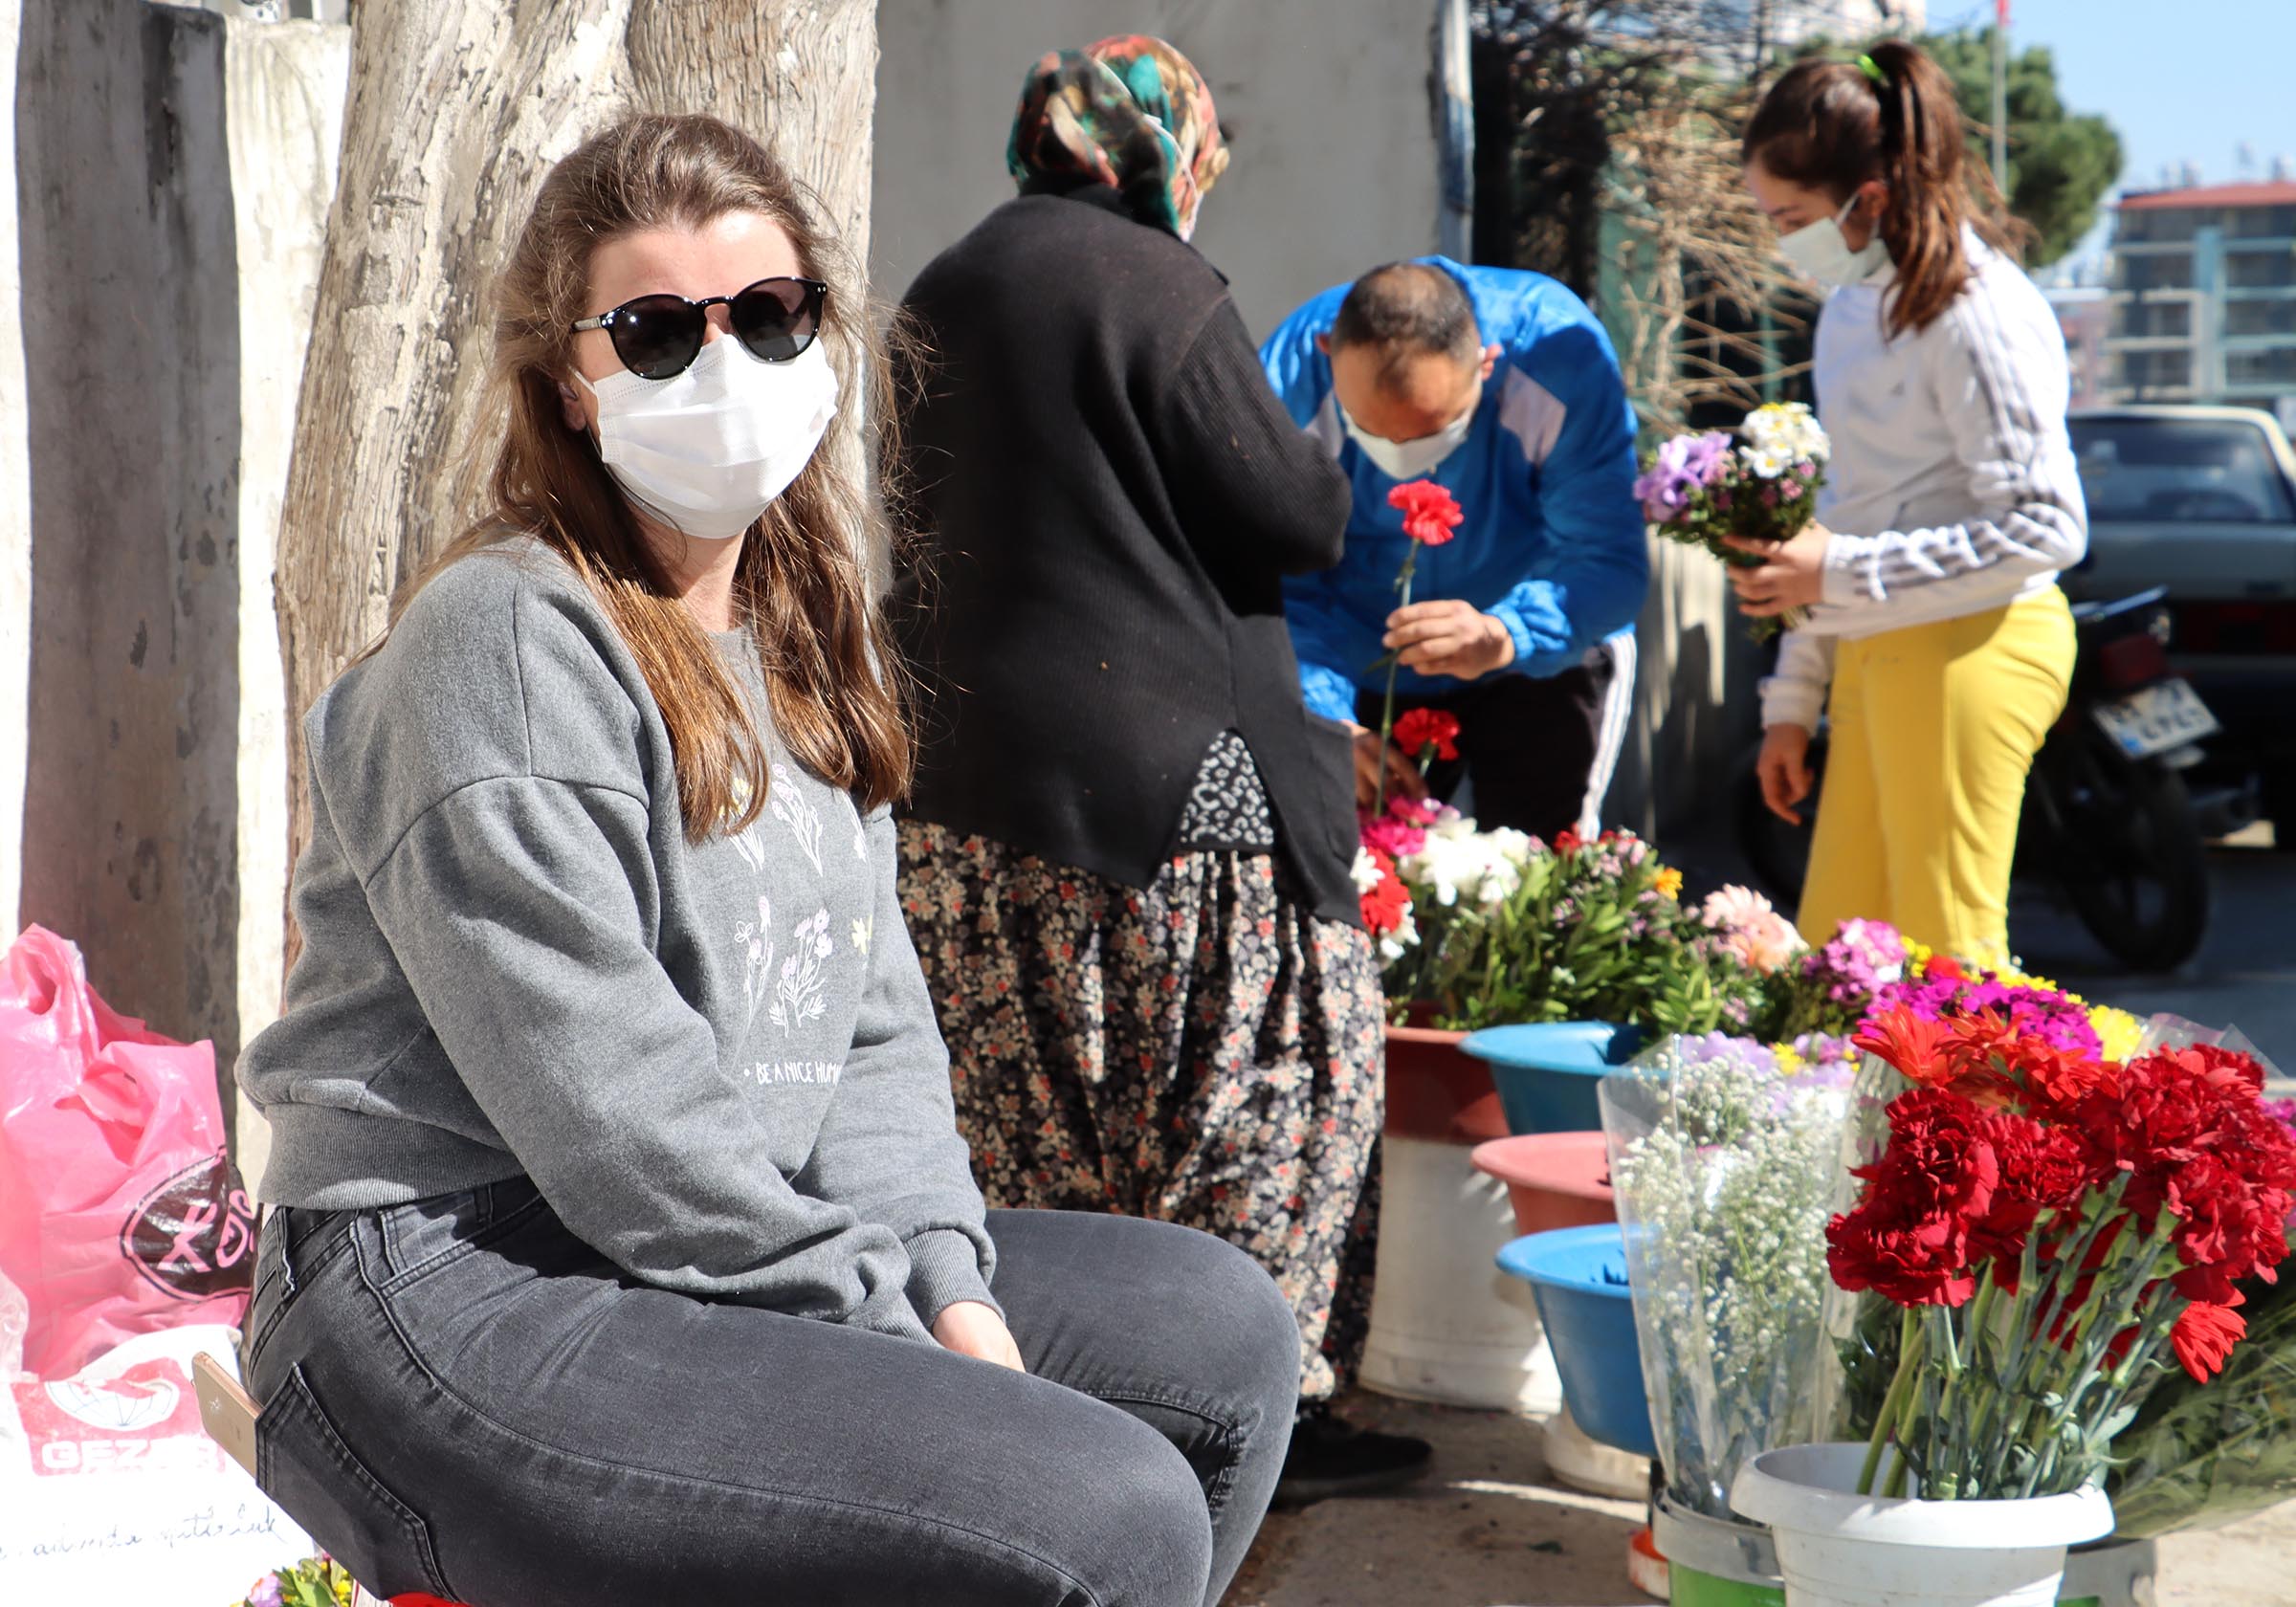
[1547,1073]
[1578,1277]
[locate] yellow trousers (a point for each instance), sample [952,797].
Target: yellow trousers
[1933,729]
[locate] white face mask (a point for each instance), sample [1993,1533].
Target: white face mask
[1410,460]
[706,451]
[1818,250]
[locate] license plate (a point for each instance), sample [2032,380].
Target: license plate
[2168,715]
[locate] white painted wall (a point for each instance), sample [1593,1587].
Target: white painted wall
[16,506]
[1327,103]
[283,89]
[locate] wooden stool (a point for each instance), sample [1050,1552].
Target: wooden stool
[229,1412]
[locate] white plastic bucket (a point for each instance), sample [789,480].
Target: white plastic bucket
[1839,1549]
[1447,1325]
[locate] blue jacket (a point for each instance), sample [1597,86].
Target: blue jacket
[1553,545]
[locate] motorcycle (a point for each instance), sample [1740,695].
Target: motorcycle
[2109,825]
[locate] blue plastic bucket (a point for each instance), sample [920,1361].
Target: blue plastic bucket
[1547,1073]
[1578,1276]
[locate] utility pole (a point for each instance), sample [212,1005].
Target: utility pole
[2000,97]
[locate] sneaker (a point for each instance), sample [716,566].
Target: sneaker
[1330,1456]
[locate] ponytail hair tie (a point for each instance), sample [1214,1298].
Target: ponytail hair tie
[1872,69]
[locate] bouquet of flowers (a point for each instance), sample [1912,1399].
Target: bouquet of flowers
[2050,1226]
[1762,487]
[1721,1158]
[1496,927]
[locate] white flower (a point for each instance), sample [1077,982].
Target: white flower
[1366,871]
[1786,429]
[1392,944]
[1767,463]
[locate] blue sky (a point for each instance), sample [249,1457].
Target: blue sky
[2183,80]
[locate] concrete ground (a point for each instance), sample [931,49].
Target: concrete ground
[1488,1528]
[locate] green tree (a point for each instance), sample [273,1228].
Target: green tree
[2060,163]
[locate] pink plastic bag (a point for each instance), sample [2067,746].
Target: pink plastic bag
[119,1213]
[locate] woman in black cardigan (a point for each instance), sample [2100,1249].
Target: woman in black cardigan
[1127,862]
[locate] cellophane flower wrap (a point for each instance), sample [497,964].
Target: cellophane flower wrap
[2053,1232]
[1721,1161]
[1504,929]
[2203,1453]
[1759,486]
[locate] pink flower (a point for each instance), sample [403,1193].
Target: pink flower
[1750,928]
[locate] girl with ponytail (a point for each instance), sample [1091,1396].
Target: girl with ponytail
[1936,640]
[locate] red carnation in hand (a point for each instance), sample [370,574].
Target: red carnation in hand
[2205,1334]
[1430,514]
[1419,729]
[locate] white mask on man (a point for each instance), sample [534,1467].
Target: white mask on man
[708,449]
[1819,251]
[1410,460]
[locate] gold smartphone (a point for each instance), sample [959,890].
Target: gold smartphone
[225,1411]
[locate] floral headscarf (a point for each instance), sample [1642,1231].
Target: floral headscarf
[1131,113]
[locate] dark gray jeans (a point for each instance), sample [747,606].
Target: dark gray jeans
[459,1396]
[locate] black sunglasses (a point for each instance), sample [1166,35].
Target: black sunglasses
[658,337]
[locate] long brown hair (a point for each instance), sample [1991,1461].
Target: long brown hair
[836,690]
[1829,127]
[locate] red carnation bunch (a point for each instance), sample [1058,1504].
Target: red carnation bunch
[2054,1226]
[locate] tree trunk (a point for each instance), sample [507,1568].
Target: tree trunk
[457,108]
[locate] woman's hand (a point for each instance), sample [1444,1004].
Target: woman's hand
[1448,638]
[1784,769]
[1403,780]
[1792,573]
[974,1329]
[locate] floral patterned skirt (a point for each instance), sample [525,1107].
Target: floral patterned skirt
[1202,1051]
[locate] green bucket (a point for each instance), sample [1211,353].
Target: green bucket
[1718,1562]
[1715,1562]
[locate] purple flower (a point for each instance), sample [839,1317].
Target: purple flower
[1854,966]
[266,1594]
[1720,1048]
[2033,1012]
[1678,471]
[1705,457]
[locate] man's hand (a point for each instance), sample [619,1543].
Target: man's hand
[974,1329]
[1403,780]
[1791,576]
[1448,638]
[1784,770]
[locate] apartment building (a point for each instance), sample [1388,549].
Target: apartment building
[2203,296]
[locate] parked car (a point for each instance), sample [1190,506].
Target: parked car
[2202,501]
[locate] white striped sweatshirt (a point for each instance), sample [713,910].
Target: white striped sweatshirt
[1952,487]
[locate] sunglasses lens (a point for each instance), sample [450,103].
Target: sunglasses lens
[657,335]
[778,318]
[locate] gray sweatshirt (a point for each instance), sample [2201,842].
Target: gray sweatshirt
[718,1061]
